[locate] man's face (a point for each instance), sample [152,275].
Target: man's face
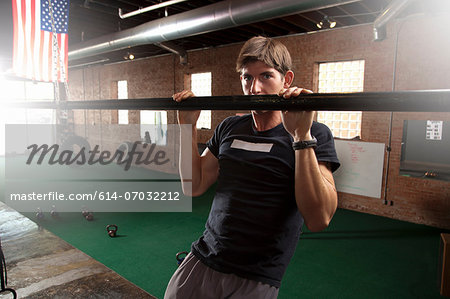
[258,78]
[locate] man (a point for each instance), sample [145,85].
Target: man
[274,173]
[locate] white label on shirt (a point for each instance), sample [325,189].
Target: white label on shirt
[249,146]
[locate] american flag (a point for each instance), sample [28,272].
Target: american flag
[40,50]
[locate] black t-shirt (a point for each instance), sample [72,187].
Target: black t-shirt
[254,223]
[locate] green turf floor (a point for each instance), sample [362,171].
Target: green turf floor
[358,256]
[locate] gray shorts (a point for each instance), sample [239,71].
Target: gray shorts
[193,279]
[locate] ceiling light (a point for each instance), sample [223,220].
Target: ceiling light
[129,56]
[326,23]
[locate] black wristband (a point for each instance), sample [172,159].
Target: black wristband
[299,145]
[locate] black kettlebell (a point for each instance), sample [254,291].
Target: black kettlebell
[39,214]
[112,230]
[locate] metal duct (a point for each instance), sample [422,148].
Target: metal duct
[217,16]
[379,25]
[171,47]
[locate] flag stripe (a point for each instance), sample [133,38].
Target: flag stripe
[41,56]
[29,35]
[66,57]
[37,45]
[23,8]
[47,57]
[15,33]
[21,39]
[58,61]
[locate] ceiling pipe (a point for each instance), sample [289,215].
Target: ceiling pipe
[148,8]
[217,16]
[89,63]
[391,11]
[174,48]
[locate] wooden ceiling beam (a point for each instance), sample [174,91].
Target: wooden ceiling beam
[301,22]
[280,23]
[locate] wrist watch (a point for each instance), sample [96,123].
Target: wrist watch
[299,145]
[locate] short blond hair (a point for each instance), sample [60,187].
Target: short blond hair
[271,52]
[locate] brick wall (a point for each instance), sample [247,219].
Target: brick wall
[422,62]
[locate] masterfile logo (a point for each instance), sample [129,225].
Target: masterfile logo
[95,156]
[106,167]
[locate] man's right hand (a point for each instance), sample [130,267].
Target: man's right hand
[186,116]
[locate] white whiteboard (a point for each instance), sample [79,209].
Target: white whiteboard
[361,170]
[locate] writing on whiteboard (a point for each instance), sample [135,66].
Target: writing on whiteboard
[355,150]
[361,170]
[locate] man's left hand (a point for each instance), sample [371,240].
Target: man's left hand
[298,123]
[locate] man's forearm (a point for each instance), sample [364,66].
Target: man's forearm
[314,190]
[189,164]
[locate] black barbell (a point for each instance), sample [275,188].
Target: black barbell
[406,101]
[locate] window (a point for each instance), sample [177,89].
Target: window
[344,76]
[201,86]
[122,93]
[15,90]
[154,126]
